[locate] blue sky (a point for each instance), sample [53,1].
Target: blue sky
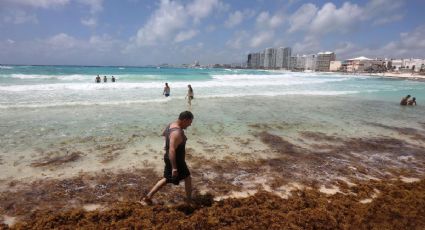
[142,32]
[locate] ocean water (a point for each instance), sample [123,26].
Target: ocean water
[50,110]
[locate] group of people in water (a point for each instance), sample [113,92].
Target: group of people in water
[189,95]
[407,101]
[105,79]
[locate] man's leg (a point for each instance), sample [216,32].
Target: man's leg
[156,188]
[188,188]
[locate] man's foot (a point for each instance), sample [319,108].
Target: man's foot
[146,201]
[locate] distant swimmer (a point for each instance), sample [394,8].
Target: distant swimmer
[166,91]
[412,101]
[189,95]
[113,79]
[105,79]
[175,168]
[97,79]
[404,100]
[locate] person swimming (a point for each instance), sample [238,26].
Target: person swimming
[404,100]
[113,79]
[412,101]
[105,79]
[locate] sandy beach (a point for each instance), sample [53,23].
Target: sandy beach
[279,150]
[408,76]
[288,170]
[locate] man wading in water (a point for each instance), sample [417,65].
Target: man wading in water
[175,150]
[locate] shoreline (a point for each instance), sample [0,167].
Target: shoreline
[335,167]
[73,202]
[408,76]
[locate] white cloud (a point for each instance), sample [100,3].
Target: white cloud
[265,20]
[185,35]
[199,9]
[261,38]
[344,19]
[35,3]
[61,41]
[237,17]
[300,20]
[329,18]
[410,44]
[384,11]
[10,41]
[103,43]
[172,18]
[210,28]
[19,17]
[393,18]
[95,5]
[238,40]
[90,22]
[234,19]
[309,45]
[19,11]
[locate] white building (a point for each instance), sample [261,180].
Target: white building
[262,54]
[310,62]
[279,57]
[287,52]
[335,66]
[361,64]
[396,64]
[270,58]
[323,60]
[413,64]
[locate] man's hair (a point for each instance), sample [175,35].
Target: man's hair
[186,115]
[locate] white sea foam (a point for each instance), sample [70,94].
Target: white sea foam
[6,67]
[74,77]
[164,100]
[235,81]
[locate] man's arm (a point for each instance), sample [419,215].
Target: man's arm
[175,140]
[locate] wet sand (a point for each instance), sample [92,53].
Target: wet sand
[319,181]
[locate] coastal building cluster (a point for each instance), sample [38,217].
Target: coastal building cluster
[282,58]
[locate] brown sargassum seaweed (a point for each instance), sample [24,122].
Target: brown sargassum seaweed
[398,206]
[394,205]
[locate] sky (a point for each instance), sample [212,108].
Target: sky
[148,32]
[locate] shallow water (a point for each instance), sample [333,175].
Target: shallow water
[49,113]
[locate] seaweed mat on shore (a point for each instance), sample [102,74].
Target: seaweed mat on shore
[394,205]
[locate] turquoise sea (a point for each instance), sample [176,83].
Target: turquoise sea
[46,111]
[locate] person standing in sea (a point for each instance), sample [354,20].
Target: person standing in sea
[175,168]
[189,95]
[166,91]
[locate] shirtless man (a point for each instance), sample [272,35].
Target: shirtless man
[166,91]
